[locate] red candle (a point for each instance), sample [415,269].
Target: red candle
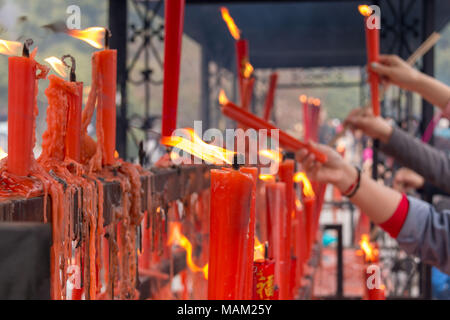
[308,205]
[264,282]
[22,92]
[107,70]
[270,97]
[300,244]
[306,117]
[373,52]
[242,59]
[286,175]
[73,134]
[231,198]
[248,92]
[249,120]
[278,234]
[174,19]
[253,172]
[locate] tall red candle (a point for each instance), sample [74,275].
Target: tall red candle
[371,26]
[253,172]
[231,198]
[278,233]
[249,120]
[270,97]
[73,133]
[174,19]
[306,117]
[242,54]
[107,72]
[21,116]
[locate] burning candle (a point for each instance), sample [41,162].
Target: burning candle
[174,19]
[22,90]
[104,62]
[277,222]
[306,118]
[242,51]
[270,97]
[249,120]
[65,99]
[373,52]
[374,290]
[264,280]
[231,198]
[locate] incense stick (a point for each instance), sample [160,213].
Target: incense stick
[416,55]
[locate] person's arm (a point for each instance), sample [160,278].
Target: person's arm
[429,162]
[394,70]
[417,226]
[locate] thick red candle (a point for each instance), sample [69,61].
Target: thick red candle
[264,280]
[270,97]
[174,19]
[242,54]
[253,171]
[300,244]
[231,198]
[248,84]
[373,52]
[107,71]
[308,205]
[73,133]
[306,117]
[278,234]
[21,113]
[249,120]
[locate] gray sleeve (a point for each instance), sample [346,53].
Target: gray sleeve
[429,162]
[426,234]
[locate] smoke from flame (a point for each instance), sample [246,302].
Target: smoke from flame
[307,187]
[57,65]
[95,36]
[10,48]
[235,32]
[177,238]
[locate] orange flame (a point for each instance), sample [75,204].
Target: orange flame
[95,36]
[271,154]
[248,70]
[198,148]
[303,98]
[260,250]
[365,10]
[10,48]
[310,100]
[307,187]
[3,154]
[223,97]
[298,204]
[57,65]
[316,102]
[266,177]
[177,238]
[369,251]
[235,32]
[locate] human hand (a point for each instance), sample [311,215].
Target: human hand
[364,120]
[393,69]
[335,170]
[405,180]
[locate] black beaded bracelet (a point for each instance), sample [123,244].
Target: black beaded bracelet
[358,182]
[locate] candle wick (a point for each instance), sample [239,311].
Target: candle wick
[236,159]
[26,48]
[73,66]
[108,35]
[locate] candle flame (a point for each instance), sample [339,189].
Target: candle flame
[235,32]
[223,97]
[365,10]
[248,70]
[176,237]
[57,65]
[3,154]
[260,250]
[95,36]
[307,187]
[369,251]
[271,154]
[310,100]
[316,102]
[298,204]
[303,98]
[198,148]
[10,48]
[266,177]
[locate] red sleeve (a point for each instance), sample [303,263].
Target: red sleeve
[395,223]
